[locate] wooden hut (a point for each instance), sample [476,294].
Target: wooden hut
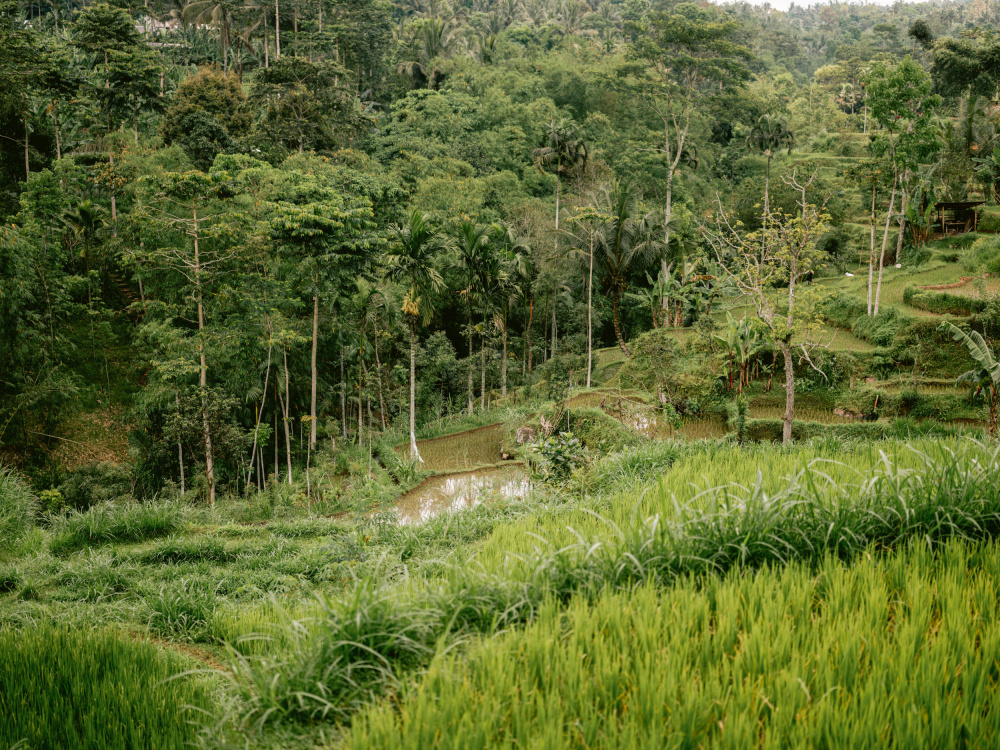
[956,217]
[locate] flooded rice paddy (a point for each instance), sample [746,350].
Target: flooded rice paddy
[454,492]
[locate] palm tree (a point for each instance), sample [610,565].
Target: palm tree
[588,223]
[515,280]
[473,257]
[216,13]
[770,135]
[564,150]
[435,40]
[986,375]
[410,260]
[625,243]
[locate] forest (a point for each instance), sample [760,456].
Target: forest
[492,373]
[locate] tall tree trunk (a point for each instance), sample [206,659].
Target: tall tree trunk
[885,239]
[482,365]
[55,124]
[902,217]
[767,185]
[203,362]
[615,300]
[27,166]
[277,32]
[414,453]
[789,415]
[343,395]
[527,329]
[260,414]
[286,408]
[315,371]
[180,446]
[555,348]
[470,361]
[378,371]
[503,363]
[871,253]
[590,311]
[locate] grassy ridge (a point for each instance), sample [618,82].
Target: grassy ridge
[896,650]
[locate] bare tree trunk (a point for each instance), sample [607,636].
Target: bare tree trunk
[789,415]
[527,330]
[414,453]
[871,253]
[277,32]
[343,395]
[885,239]
[590,311]
[470,362]
[555,341]
[378,371]
[180,446]
[482,366]
[27,166]
[315,372]
[203,363]
[256,428]
[615,300]
[503,364]
[285,408]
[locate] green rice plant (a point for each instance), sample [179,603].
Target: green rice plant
[894,651]
[182,609]
[83,689]
[178,549]
[633,466]
[107,523]
[10,578]
[18,507]
[97,576]
[367,642]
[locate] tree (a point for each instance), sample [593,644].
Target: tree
[758,263]
[899,97]
[770,135]
[329,235]
[625,243]
[687,53]
[515,278]
[475,263]
[184,211]
[985,377]
[410,261]
[565,152]
[588,223]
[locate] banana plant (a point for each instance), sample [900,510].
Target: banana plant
[985,376]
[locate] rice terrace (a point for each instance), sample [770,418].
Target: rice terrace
[564,374]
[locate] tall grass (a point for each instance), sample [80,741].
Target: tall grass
[364,644]
[106,523]
[77,690]
[17,508]
[895,651]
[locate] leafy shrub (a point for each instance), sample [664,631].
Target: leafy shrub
[79,689]
[560,455]
[983,255]
[106,523]
[17,508]
[96,483]
[988,222]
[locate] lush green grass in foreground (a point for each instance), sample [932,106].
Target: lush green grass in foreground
[369,642]
[896,650]
[80,690]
